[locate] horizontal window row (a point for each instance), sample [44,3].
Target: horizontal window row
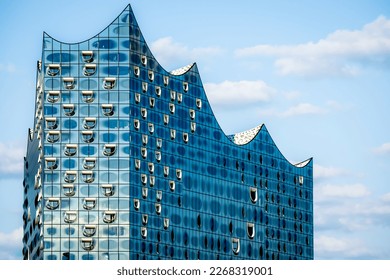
[108,216]
[106,189]
[69,83]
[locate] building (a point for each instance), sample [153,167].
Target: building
[127,161]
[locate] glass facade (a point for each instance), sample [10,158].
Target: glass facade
[127,161]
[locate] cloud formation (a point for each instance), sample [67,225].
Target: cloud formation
[384,149]
[10,245]
[11,159]
[341,191]
[343,52]
[241,92]
[327,172]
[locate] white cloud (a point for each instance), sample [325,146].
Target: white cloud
[297,110]
[8,67]
[11,244]
[341,191]
[167,51]
[339,248]
[11,159]
[383,149]
[327,172]
[241,92]
[386,197]
[341,52]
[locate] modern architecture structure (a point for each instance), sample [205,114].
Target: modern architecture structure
[127,161]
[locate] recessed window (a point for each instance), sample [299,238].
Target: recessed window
[144,232]
[68,109]
[152,181]
[87,136]
[70,217]
[108,189]
[88,244]
[185,137]
[172,185]
[192,114]
[250,230]
[166,223]
[300,179]
[68,189]
[144,179]
[137,164]
[173,134]
[172,108]
[158,208]
[53,69]
[158,143]
[179,174]
[253,194]
[193,127]
[145,219]
[70,176]
[158,156]
[144,113]
[88,96]
[144,152]
[151,75]
[89,203]
[53,96]
[51,123]
[185,86]
[144,87]
[87,56]
[166,80]
[109,216]
[166,171]
[158,195]
[89,123]
[89,230]
[144,193]
[179,98]
[136,204]
[109,83]
[166,119]
[137,97]
[136,71]
[144,139]
[52,203]
[109,149]
[88,176]
[236,245]
[108,109]
[51,163]
[158,91]
[198,103]
[151,167]
[89,69]
[69,82]
[89,163]
[70,150]
[144,60]
[173,95]
[152,102]
[151,128]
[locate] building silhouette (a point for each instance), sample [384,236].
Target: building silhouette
[127,161]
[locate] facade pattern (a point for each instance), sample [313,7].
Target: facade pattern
[127,161]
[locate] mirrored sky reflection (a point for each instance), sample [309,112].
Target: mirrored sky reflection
[316,73]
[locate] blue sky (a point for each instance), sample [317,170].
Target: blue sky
[315,72]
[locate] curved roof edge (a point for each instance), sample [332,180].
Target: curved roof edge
[303,163]
[245,137]
[182,70]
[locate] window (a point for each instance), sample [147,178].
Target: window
[87,136]
[69,82]
[144,60]
[52,203]
[166,223]
[145,219]
[235,245]
[136,124]
[53,69]
[173,134]
[89,203]
[109,83]
[89,123]
[250,230]
[108,109]
[159,143]
[198,103]
[144,232]
[151,75]
[68,189]
[166,119]
[151,167]
[253,194]
[144,179]
[68,109]
[89,163]
[88,176]
[70,217]
[144,113]
[185,137]
[152,180]
[51,163]
[136,71]
[192,114]
[193,127]
[144,87]
[53,96]
[152,102]
[144,193]
[300,179]
[185,86]
[108,189]
[87,56]
[88,96]
[70,150]
[136,204]
[89,69]
[109,216]
[158,91]
[179,174]
[158,156]
[179,98]
[89,230]
[144,152]
[158,208]
[70,176]
[137,97]
[172,185]
[159,195]
[51,123]
[166,171]
[151,128]
[173,95]
[137,164]
[109,149]
[172,108]
[166,80]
